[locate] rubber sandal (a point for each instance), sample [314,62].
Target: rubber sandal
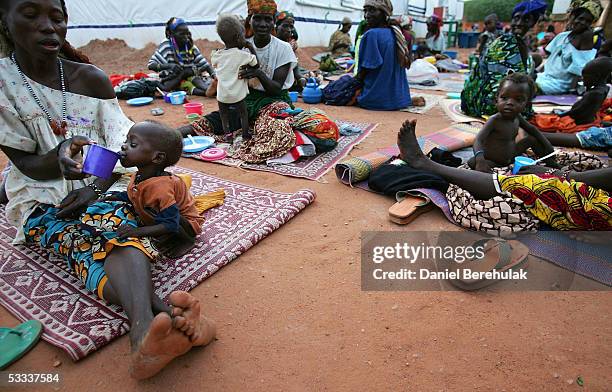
[502,255]
[16,342]
[408,209]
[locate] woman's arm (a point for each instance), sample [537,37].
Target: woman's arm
[37,167]
[272,86]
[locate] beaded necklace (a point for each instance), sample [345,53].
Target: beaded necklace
[58,127]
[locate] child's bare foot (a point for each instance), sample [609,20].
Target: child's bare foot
[410,152]
[418,101]
[160,345]
[186,313]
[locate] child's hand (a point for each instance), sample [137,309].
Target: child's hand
[127,231]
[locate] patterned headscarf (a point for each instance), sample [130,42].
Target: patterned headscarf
[261,7]
[593,6]
[535,7]
[406,20]
[383,5]
[267,7]
[281,16]
[401,46]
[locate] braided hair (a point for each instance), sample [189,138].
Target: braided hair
[67,51]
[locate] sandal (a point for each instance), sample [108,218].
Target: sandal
[501,255]
[408,209]
[16,342]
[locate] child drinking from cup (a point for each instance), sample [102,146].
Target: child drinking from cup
[231,90]
[496,144]
[165,207]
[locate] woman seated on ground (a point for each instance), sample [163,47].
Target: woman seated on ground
[285,31]
[268,86]
[406,23]
[179,62]
[508,53]
[340,42]
[582,200]
[571,50]
[54,204]
[383,59]
[434,40]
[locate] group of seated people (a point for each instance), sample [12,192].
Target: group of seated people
[53,103]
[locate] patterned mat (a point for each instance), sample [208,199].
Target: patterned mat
[452,108]
[449,82]
[431,101]
[36,286]
[311,168]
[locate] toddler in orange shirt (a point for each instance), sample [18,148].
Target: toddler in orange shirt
[165,207]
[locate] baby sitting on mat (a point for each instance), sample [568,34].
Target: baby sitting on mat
[231,91]
[496,144]
[164,205]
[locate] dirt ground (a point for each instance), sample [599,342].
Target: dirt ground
[292,316]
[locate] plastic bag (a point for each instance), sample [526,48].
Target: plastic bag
[422,72]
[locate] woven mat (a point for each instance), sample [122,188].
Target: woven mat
[431,101]
[452,108]
[561,100]
[311,168]
[448,84]
[34,285]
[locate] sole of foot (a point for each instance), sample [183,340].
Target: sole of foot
[160,345]
[187,313]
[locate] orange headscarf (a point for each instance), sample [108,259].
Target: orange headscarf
[258,7]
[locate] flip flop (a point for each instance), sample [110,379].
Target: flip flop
[16,342]
[408,209]
[502,255]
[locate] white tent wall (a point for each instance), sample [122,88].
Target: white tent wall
[139,22]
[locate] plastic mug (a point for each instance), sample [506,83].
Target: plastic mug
[520,162]
[193,108]
[293,95]
[100,161]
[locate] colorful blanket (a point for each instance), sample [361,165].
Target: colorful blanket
[34,285]
[311,168]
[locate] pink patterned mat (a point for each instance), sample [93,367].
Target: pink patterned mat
[34,285]
[311,168]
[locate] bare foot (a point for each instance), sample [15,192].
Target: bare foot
[160,345]
[187,318]
[410,152]
[418,101]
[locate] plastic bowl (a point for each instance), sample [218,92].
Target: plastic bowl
[520,162]
[100,161]
[194,108]
[192,117]
[293,95]
[177,97]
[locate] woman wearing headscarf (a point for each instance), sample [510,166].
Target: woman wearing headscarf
[506,54]
[285,29]
[179,62]
[571,50]
[340,41]
[268,86]
[435,38]
[406,23]
[383,59]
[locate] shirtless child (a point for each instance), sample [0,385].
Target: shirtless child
[595,75]
[496,144]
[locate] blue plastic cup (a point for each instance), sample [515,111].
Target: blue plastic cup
[293,95]
[100,161]
[520,162]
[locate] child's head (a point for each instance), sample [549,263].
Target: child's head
[490,23]
[515,92]
[151,143]
[230,30]
[597,71]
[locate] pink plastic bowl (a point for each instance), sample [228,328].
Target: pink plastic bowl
[194,107]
